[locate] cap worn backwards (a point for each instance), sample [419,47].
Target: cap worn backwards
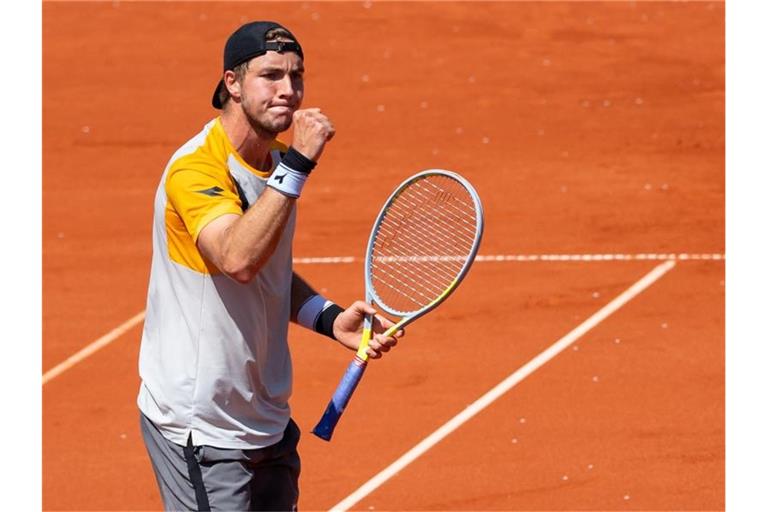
[249,41]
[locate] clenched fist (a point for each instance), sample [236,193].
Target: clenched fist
[311,131]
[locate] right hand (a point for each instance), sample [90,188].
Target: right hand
[311,131]
[348,328]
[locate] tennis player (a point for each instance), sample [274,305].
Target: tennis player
[214,362]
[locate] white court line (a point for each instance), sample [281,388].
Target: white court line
[501,388]
[331,260]
[93,347]
[122,329]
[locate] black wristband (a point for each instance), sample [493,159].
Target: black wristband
[324,322]
[298,162]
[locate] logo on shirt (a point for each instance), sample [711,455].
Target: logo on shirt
[213,191]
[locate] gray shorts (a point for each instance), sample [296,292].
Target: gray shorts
[208,478]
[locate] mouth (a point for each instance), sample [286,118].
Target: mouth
[281,109]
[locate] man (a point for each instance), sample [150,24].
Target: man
[214,361]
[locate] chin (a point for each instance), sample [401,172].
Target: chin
[271,126]
[280,125]
[277,123]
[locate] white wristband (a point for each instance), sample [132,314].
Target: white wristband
[287,181]
[311,309]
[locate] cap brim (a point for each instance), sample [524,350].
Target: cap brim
[215,100]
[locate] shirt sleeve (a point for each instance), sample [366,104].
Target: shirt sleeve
[199,197]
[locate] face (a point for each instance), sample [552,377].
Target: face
[271,90]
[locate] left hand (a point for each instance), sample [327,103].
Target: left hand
[348,329]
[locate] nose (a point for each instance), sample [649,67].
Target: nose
[286,87]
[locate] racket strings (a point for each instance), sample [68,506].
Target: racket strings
[459,207]
[456,262]
[452,230]
[422,243]
[417,237]
[418,275]
[457,218]
[400,255]
[395,255]
[426,298]
[417,234]
[435,203]
[420,269]
[449,197]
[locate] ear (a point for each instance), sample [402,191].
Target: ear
[232,84]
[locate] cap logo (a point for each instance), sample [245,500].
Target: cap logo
[283,46]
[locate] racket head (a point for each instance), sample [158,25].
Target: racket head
[423,243]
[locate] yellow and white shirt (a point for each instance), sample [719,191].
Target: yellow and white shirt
[214,358]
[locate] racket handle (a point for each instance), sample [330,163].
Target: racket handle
[324,428]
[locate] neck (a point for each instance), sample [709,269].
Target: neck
[250,141]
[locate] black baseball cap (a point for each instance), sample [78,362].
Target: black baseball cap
[249,41]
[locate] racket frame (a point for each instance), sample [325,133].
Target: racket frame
[354,373]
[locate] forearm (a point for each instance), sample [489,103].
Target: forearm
[240,245]
[301,291]
[248,242]
[311,310]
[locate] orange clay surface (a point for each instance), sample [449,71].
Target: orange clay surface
[586,128]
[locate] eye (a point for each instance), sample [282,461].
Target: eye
[272,75]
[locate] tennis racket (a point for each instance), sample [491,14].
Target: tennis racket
[421,247]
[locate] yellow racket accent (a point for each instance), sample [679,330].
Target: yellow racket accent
[364,344]
[446,292]
[366,339]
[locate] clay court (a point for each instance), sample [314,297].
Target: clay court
[594,133]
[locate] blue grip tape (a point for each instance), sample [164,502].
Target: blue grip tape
[324,428]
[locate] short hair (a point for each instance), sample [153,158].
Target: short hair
[272,35]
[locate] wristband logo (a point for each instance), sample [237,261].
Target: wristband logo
[280,178]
